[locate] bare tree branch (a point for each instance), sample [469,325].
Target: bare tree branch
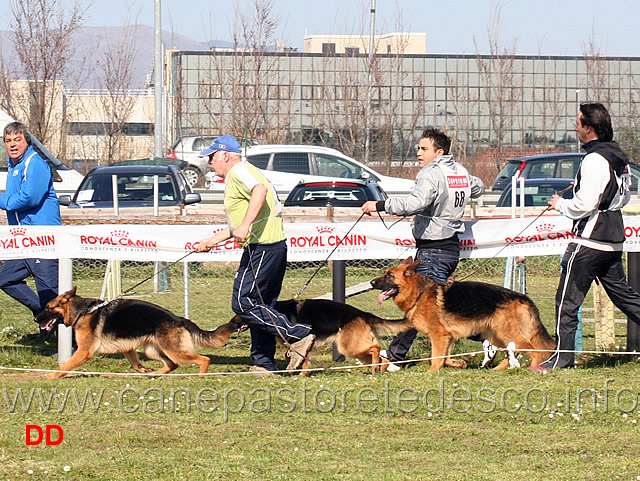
[42,32]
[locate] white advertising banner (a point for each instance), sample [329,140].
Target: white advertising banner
[521,237]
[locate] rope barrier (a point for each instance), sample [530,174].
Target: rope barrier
[284,371]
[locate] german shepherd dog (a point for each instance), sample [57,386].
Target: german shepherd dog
[354,331]
[123,325]
[457,310]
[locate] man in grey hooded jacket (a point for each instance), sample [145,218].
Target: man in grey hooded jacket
[442,190]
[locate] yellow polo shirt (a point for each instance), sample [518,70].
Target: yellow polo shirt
[240,180]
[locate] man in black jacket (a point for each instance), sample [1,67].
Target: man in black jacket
[600,192]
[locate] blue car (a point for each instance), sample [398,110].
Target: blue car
[537,192]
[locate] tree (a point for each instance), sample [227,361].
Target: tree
[237,87]
[42,34]
[502,84]
[465,103]
[117,102]
[597,86]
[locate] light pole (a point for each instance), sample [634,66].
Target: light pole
[158,83]
[367,140]
[577,111]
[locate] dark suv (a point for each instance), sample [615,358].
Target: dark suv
[545,166]
[549,166]
[134,186]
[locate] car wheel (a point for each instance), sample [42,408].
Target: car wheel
[193,176]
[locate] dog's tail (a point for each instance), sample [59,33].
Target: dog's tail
[539,335]
[216,338]
[392,325]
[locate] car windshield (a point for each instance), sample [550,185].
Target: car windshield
[130,187]
[40,149]
[333,166]
[201,143]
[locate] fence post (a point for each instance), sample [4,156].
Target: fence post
[339,295]
[604,319]
[633,330]
[65,333]
[185,287]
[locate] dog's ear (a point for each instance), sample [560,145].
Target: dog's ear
[408,260]
[69,294]
[411,268]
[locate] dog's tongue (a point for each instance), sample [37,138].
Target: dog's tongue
[383,296]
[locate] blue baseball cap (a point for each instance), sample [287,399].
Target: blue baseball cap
[226,143]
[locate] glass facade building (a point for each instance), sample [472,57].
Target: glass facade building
[342,99]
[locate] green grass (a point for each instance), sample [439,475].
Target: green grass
[335,425]
[331,426]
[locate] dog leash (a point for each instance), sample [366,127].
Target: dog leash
[501,249]
[271,318]
[104,303]
[475,271]
[338,244]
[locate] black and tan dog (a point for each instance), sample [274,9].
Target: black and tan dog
[123,325]
[457,310]
[354,331]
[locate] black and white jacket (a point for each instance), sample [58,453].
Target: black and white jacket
[601,190]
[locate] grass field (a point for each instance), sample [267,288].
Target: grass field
[468,424]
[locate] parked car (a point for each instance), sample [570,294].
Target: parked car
[188,148]
[180,164]
[135,187]
[341,193]
[547,166]
[544,166]
[287,165]
[64,177]
[537,192]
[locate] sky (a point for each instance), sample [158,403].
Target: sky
[546,27]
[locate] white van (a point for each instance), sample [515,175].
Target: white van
[64,178]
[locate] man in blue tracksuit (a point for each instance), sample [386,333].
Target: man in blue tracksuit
[29,199]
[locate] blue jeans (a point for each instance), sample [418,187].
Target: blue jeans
[439,265]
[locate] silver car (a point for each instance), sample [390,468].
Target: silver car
[188,148]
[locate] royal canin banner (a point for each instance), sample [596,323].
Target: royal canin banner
[521,237]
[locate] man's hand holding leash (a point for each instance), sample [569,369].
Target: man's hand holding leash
[209,243]
[554,199]
[369,207]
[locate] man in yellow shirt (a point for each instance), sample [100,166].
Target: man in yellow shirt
[254,216]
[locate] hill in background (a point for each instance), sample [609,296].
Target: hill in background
[91,44]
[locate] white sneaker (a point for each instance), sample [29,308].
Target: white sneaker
[392,367]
